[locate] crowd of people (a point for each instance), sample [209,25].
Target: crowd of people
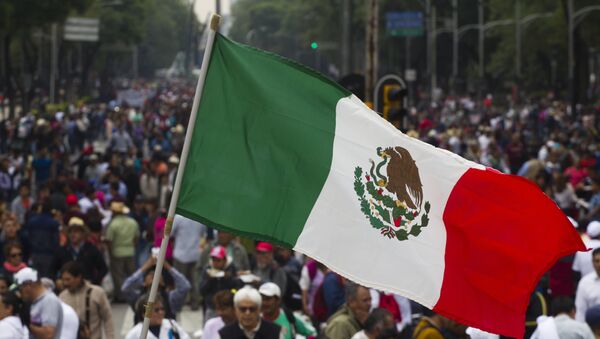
[84,193]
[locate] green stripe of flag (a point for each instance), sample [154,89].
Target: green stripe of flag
[262,146]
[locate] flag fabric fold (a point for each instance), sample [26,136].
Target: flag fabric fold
[284,154]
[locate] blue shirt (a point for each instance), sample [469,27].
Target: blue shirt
[333,292]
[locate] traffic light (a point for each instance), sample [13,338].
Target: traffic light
[314,45]
[393,97]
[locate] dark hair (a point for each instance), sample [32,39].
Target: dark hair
[74,268]
[595,251]
[10,246]
[223,299]
[562,304]
[19,308]
[352,290]
[140,304]
[6,279]
[388,333]
[376,318]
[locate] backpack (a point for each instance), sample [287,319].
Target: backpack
[292,296]
[319,304]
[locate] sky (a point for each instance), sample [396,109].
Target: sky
[205,7]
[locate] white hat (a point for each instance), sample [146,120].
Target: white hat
[593,229]
[270,290]
[25,275]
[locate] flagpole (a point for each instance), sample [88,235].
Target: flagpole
[212,27]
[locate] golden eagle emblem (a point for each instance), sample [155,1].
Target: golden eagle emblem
[392,202]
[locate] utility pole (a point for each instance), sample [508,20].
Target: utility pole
[518,39]
[481,40]
[433,52]
[454,43]
[571,57]
[53,63]
[371,49]
[346,18]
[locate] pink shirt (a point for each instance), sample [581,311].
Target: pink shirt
[159,228]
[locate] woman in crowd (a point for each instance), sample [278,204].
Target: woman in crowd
[12,321]
[160,327]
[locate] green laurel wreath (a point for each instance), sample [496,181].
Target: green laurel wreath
[383,205]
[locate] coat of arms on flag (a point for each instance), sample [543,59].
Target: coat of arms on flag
[393,202]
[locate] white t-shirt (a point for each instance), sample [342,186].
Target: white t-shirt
[70,324]
[165,328]
[212,327]
[12,328]
[583,260]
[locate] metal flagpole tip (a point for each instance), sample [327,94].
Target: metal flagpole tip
[214,22]
[149,309]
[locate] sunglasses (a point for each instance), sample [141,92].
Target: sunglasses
[17,254]
[250,309]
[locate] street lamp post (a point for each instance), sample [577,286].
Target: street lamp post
[518,39]
[481,39]
[574,19]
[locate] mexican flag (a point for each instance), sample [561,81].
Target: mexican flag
[284,154]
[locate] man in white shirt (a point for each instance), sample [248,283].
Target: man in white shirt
[188,236]
[588,290]
[562,325]
[583,260]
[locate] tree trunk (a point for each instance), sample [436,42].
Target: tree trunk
[10,91]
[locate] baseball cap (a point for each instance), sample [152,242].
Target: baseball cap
[270,290]
[218,252]
[25,275]
[72,200]
[264,247]
[593,229]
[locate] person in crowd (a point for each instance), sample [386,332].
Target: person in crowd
[5,283]
[42,231]
[333,293]
[173,286]
[247,302]
[351,316]
[431,326]
[311,278]
[588,289]
[273,310]
[89,301]
[80,250]
[46,312]
[218,276]
[13,252]
[12,317]
[159,231]
[223,301]
[70,328]
[562,324]
[22,203]
[121,237]
[267,268]
[287,260]
[237,253]
[592,318]
[583,260]
[189,235]
[378,321]
[161,326]
[12,233]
